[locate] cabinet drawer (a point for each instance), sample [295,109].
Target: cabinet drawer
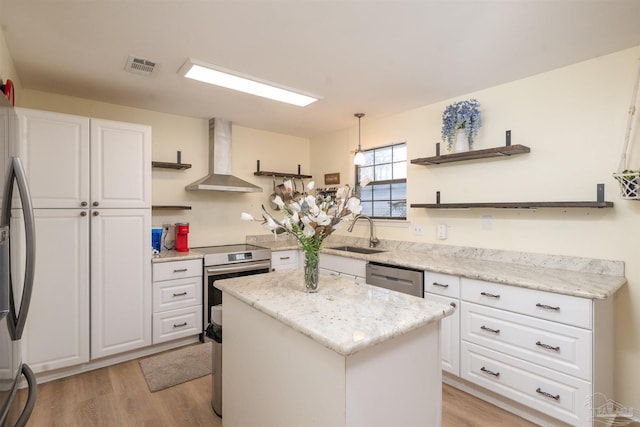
[170,325]
[352,266]
[284,260]
[554,345]
[179,293]
[176,269]
[557,395]
[442,284]
[544,305]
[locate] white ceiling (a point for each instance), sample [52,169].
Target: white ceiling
[375,57]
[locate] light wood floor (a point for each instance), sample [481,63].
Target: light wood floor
[118,396]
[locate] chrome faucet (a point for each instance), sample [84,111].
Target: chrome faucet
[373,240]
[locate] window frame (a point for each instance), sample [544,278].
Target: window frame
[385,182]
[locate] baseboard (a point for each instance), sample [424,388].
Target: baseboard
[43,377]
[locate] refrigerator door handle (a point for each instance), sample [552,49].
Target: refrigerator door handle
[31,396]
[16,172]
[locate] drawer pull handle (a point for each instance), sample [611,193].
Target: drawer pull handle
[547,307]
[183,324]
[494,331]
[549,395]
[283,258]
[487,294]
[442,285]
[487,371]
[547,346]
[181,294]
[180,270]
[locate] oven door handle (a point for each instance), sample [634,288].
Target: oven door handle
[235,268]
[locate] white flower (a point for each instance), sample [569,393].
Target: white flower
[271,224]
[323,219]
[295,207]
[341,193]
[311,185]
[246,217]
[353,204]
[365,181]
[278,201]
[308,230]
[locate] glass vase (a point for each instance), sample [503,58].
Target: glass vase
[311,271]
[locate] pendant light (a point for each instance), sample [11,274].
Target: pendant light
[358,160]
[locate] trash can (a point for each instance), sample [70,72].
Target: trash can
[214,331]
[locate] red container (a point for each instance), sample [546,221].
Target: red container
[182,237]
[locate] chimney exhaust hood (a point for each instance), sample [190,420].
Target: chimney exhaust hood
[219,177]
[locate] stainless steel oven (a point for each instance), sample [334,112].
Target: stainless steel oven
[224,262]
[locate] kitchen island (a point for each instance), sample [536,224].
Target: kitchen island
[349,355]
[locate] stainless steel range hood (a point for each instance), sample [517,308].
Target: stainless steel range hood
[220,178]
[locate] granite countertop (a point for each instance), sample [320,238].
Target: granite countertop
[167,256]
[344,316]
[580,277]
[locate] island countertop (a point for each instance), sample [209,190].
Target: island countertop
[344,316]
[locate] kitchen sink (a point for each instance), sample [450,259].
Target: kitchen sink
[357,249]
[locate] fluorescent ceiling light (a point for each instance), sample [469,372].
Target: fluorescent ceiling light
[215,75]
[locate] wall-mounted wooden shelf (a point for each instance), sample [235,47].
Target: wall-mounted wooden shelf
[170,165]
[171,207]
[514,205]
[506,151]
[598,203]
[298,175]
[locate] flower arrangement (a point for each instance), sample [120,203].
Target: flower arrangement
[310,220]
[461,115]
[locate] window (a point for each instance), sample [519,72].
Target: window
[386,194]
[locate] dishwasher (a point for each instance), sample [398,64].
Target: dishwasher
[401,279]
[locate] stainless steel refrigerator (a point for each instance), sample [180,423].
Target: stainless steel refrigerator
[17,262]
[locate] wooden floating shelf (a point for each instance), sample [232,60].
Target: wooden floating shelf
[598,203]
[169,165]
[506,151]
[171,207]
[281,174]
[513,205]
[298,175]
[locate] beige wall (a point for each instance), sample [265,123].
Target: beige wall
[573,119]
[7,69]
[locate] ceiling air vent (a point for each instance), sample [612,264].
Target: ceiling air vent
[140,66]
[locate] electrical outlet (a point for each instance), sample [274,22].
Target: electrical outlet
[487,223]
[417,230]
[441,231]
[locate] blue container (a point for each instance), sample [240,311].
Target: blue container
[156,239]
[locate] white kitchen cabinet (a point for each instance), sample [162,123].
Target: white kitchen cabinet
[547,351]
[120,165]
[93,279]
[286,260]
[343,266]
[55,152]
[120,280]
[57,333]
[75,161]
[445,289]
[177,299]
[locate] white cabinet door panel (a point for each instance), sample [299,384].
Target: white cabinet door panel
[55,152]
[120,280]
[57,332]
[120,164]
[449,335]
